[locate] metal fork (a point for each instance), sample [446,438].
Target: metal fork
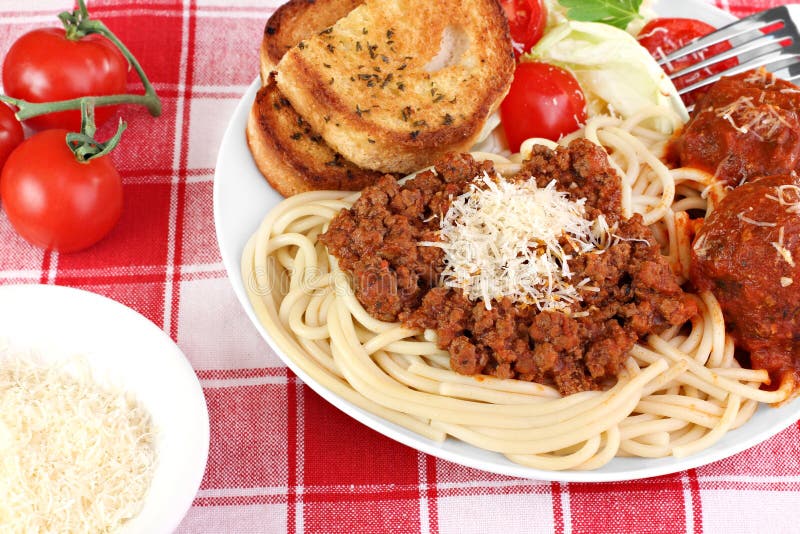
[778,50]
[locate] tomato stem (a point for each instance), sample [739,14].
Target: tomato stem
[83,144]
[72,21]
[77,24]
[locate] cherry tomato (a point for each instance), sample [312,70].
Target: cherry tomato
[544,101]
[11,134]
[44,66]
[526,21]
[664,35]
[53,200]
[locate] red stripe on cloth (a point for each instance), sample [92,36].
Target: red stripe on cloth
[96,7]
[46,259]
[291,449]
[69,278]
[558,509]
[432,494]
[626,506]
[108,279]
[697,503]
[340,452]
[170,91]
[376,480]
[156,40]
[177,258]
[327,494]
[137,244]
[743,8]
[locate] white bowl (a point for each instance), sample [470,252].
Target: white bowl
[128,350]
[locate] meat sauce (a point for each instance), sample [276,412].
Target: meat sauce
[744,127]
[748,254]
[746,131]
[633,291]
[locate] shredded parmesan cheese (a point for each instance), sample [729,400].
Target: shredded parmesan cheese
[75,456]
[744,218]
[786,281]
[783,252]
[504,239]
[763,122]
[787,195]
[761,77]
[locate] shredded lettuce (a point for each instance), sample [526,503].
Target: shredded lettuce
[617,75]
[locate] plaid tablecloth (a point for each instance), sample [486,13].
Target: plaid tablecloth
[281,458]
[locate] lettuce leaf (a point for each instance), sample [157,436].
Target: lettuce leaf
[617,75]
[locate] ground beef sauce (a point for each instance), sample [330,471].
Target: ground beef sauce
[376,241]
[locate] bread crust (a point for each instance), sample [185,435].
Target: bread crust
[294,21]
[290,155]
[367,86]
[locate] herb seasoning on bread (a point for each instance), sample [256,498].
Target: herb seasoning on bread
[397,83]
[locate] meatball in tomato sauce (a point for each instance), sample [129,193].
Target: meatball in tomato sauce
[744,127]
[747,253]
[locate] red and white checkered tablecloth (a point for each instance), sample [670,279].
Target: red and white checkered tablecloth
[281,458]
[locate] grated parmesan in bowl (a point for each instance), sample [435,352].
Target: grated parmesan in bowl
[76,455]
[103,422]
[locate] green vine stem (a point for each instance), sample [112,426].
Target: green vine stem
[77,24]
[83,144]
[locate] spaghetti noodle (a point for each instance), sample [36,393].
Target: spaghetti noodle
[678,392]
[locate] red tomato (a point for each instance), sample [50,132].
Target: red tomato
[11,133]
[544,101]
[53,200]
[665,35]
[526,21]
[44,66]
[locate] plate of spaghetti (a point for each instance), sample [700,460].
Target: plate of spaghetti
[576,311]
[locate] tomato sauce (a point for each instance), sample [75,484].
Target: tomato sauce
[748,254]
[744,127]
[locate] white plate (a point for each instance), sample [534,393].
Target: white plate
[241,199]
[126,349]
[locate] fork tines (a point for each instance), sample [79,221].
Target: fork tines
[768,39]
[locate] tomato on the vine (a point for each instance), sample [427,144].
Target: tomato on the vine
[44,65]
[55,201]
[662,36]
[526,21]
[11,134]
[544,101]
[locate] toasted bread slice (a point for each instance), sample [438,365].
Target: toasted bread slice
[295,21]
[397,83]
[290,155]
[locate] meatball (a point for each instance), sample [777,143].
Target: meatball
[744,127]
[747,253]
